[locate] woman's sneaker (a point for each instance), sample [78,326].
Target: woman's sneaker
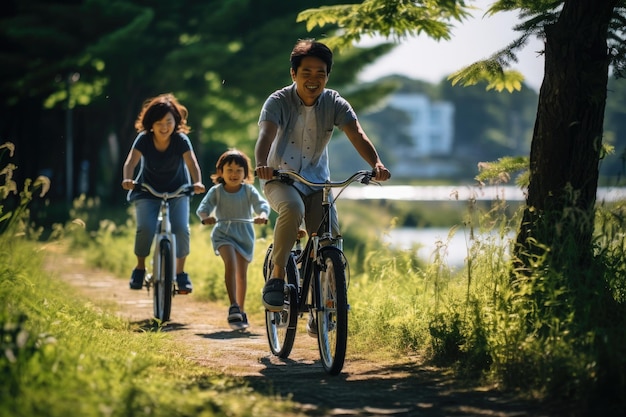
[235,317]
[136,279]
[184,283]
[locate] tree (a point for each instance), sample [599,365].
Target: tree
[220,57]
[567,141]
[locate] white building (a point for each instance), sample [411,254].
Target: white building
[432,124]
[431,130]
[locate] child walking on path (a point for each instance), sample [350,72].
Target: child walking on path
[231,205]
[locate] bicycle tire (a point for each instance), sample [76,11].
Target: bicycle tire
[332,311]
[163,282]
[281,326]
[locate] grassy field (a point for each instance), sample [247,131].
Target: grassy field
[63,357]
[484,323]
[475,320]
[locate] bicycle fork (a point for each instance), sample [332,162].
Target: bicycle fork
[164,234]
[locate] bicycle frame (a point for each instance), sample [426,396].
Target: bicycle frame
[309,256]
[164,254]
[363,176]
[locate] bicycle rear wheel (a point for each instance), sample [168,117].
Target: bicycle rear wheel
[332,312]
[281,326]
[163,281]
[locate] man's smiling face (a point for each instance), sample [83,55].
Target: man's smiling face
[311,78]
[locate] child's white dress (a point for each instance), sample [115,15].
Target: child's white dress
[242,204]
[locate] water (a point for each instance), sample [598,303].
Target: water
[457,193]
[428,240]
[457,245]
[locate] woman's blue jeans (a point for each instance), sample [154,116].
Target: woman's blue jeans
[147,213]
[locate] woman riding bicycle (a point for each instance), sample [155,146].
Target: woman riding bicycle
[295,126]
[166,161]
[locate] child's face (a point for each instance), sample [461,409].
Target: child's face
[233,174]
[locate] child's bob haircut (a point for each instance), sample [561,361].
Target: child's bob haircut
[238,158]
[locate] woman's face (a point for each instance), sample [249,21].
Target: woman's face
[164,128]
[310,79]
[233,174]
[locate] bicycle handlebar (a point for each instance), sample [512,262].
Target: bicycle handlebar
[186,189]
[363,176]
[232,221]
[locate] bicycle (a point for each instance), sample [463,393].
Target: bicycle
[316,283]
[164,254]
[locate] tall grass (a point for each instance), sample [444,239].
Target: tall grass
[534,332]
[483,320]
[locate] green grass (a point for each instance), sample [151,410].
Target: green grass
[479,321]
[540,333]
[61,356]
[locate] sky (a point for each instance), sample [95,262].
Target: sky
[423,58]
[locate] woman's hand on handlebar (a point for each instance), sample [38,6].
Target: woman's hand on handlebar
[128,184]
[265,172]
[198,188]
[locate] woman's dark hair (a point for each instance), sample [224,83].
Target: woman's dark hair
[310,47]
[238,158]
[154,109]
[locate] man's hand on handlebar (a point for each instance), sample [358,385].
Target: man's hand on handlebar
[382,173]
[265,172]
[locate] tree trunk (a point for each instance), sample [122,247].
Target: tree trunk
[565,151]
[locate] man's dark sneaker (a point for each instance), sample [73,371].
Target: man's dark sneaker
[311,326]
[184,283]
[234,317]
[136,279]
[274,294]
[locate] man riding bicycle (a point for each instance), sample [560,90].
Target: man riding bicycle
[295,126]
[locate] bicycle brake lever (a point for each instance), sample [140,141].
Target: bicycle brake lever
[369,178]
[283,177]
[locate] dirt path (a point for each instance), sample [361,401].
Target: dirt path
[362,389]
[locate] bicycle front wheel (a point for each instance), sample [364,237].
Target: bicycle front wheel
[163,282]
[281,326]
[332,311]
